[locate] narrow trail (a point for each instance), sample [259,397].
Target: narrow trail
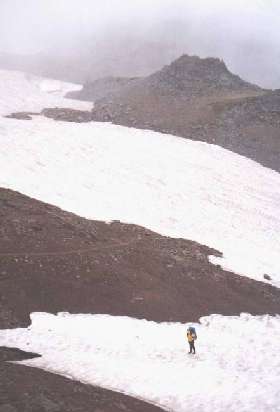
[68,252]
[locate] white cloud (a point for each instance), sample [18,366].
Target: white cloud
[244,34]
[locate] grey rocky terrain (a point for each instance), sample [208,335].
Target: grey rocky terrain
[100,88]
[201,100]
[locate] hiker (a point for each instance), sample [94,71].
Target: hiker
[191,336]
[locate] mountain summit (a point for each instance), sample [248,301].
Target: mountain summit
[190,76]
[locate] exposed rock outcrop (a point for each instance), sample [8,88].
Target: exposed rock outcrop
[201,100]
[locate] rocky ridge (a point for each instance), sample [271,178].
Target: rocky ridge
[200,99]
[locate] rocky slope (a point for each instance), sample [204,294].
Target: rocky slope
[25,389]
[101,88]
[186,77]
[201,100]
[55,261]
[191,76]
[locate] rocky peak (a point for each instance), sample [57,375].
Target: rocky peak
[194,65]
[198,76]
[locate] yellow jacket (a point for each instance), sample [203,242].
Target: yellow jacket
[190,337]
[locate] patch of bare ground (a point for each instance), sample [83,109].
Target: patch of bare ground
[21,115]
[56,113]
[68,115]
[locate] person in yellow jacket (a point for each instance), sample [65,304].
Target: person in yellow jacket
[191,336]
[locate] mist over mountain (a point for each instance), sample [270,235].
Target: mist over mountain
[85,41]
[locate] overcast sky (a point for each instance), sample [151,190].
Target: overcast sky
[244,33]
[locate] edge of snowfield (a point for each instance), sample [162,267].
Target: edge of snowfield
[173,186]
[149,360]
[24,92]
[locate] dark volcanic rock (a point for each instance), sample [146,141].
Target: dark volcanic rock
[21,115]
[56,113]
[25,389]
[54,261]
[101,88]
[14,354]
[67,115]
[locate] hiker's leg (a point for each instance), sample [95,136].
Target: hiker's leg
[192,347]
[190,344]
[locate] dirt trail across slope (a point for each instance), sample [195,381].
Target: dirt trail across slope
[55,261]
[69,252]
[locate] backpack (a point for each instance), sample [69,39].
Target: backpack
[193,331]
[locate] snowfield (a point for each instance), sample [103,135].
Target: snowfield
[174,186]
[237,367]
[22,92]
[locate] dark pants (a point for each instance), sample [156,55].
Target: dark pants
[192,348]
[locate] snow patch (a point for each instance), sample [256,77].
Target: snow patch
[236,368]
[26,92]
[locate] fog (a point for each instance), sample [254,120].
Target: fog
[85,39]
